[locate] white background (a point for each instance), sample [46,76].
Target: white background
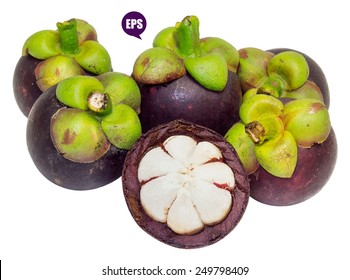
[47,232]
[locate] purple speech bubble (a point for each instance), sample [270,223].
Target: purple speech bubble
[134,24]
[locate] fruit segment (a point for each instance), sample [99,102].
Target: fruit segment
[190,188]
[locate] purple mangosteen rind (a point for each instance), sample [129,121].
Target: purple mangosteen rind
[132,186]
[26,91]
[314,168]
[184,98]
[57,169]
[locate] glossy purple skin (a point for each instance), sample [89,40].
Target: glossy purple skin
[185,99]
[56,168]
[314,168]
[316,74]
[25,89]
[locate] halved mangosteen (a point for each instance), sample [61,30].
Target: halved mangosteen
[185,185]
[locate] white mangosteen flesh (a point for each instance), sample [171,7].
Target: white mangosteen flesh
[185,184]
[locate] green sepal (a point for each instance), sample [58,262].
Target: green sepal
[54,69]
[77,135]
[291,66]
[209,70]
[157,66]
[93,57]
[308,121]
[122,126]
[217,45]
[42,44]
[278,156]
[252,67]
[166,38]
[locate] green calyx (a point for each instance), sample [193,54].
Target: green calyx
[103,104]
[282,75]
[207,60]
[276,130]
[74,44]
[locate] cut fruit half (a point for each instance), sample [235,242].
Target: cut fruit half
[185,185]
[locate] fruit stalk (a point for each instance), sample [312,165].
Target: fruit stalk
[69,36]
[99,102]
[267,127]
[189,40]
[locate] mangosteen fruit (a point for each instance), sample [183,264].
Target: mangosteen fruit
[49,56]
[288,149]
[79,131]
[185,185]
[282,73]
[187,77]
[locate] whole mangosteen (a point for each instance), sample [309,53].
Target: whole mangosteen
[49,56]
[185,77]
[289,149]
[79,131]
[185,185]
